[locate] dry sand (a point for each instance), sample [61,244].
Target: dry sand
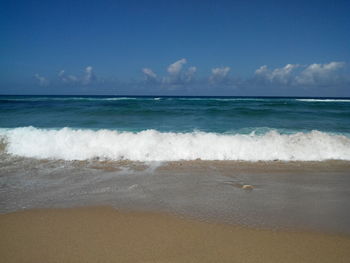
[102,234]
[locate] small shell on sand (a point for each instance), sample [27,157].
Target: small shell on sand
[247,187]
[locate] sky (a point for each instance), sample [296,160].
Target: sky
[221,48]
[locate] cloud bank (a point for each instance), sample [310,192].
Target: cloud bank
[320,74]
[295,75]
[181,78]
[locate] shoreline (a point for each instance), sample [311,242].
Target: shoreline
[284,195]
[103,234]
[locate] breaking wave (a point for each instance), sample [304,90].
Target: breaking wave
[152,145]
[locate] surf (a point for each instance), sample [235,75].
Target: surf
[152,145]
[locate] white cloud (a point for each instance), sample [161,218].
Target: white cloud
[149,74]
[219,74]
[298,75]
[189,75]
[278,75]
[88,77]
[42,80]
[320,73]
[67,78]
[175,68]
[262,70]
[176,75]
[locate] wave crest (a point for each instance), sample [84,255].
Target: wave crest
[151,145]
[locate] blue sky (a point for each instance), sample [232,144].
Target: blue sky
[281,48]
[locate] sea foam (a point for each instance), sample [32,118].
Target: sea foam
[323,100]
[152,145]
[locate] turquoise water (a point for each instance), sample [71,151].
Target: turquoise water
[176,114]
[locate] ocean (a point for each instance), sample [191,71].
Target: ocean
[175,128]
[185,155]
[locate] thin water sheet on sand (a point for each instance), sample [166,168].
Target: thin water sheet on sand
[304,195]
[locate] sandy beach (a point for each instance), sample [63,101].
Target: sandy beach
[103,234]
[193,211]
[175,131]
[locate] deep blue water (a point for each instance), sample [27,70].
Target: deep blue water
[178,114]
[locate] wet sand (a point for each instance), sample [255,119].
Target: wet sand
[276,195]
[102,234]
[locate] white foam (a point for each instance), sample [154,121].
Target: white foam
[118,98]
[151,145]
[69,99]
[221,99]
[323,100]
